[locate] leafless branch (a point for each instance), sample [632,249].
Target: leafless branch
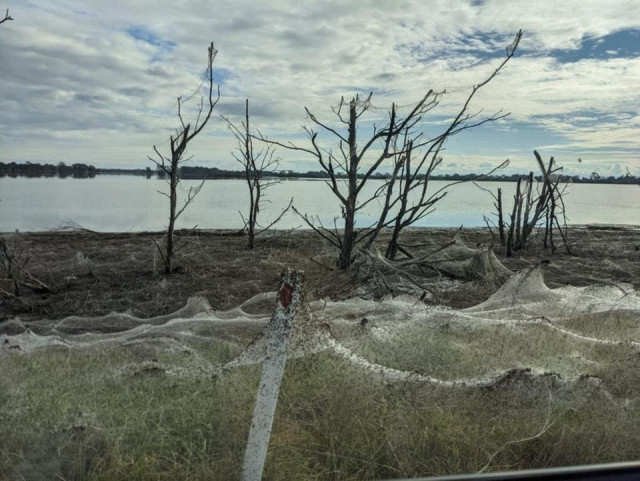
[322,232]
[6,17]
[284,211]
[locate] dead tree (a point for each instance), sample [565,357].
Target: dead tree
[535,206]
[170,166]
[257,166]
[556,203]
[498,213]
[343,168]
[413,179]
[517,201]
[13,267]
[7,259]
[396,138]
[423,202]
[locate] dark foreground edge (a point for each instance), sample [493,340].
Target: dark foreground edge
[593,472]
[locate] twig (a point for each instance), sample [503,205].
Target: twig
[6,17]
[277,218]
[317,230]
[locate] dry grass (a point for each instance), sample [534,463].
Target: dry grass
[93,274]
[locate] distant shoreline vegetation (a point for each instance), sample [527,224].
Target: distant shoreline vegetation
[84,171]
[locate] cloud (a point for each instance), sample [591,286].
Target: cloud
[99,83]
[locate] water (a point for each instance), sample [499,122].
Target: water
[129,203]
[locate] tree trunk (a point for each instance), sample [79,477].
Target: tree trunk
[349,237]
[519,231]
[392,247]
[526,230]
[251,177]
[503,241]
[510,240]
[173,202]
[552,216]
[253,211]
[252,220]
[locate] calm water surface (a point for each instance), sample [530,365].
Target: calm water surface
[128,203]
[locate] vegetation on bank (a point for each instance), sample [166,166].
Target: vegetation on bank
[63,170]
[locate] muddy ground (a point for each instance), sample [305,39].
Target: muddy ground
[91,274]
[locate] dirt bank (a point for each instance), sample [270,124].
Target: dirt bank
[92,274]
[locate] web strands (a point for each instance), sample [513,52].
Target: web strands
[392,326]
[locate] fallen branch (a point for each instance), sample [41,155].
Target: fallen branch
[36,284]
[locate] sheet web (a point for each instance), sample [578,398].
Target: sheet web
[525,330]
[516,363]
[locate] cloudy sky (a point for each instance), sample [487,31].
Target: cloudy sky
[96,81]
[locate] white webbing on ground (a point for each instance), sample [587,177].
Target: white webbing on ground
[523,302]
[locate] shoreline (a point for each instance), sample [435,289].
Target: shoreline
[238,233]
[93,273]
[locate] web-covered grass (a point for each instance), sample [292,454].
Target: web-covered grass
[532,374]
[534,385]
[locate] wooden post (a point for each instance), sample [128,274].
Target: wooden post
[272,372]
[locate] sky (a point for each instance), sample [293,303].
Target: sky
[96,81]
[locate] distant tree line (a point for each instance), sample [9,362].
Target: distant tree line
[597,179]
[62,170]
[84,171]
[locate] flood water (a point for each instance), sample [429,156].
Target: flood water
[130,203]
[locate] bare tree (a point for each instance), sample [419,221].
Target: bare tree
[498,213]
[6,17]
[413,199]
[396,138]
[13,267]
[170,166]
[8,260]
[551,178]
[534,206]
[351,157]
[12,263]
[256,167]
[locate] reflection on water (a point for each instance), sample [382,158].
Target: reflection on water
[121,203]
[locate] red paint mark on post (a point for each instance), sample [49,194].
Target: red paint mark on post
[286,295]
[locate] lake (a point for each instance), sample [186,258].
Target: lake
[133,204]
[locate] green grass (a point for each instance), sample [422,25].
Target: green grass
[89,415]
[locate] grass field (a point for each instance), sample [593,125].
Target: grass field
[155,407]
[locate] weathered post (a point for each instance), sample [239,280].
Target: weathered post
[272,371]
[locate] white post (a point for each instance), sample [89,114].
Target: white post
[272,370]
